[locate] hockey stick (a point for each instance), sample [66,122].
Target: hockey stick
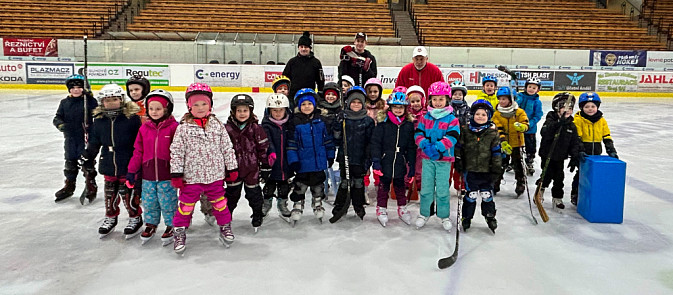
[346,203]
[449,261]
[530,206]
[85,124]
[525,178]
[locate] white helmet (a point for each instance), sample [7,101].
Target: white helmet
[111,90]
[415,88]
[277,100]
[533,80]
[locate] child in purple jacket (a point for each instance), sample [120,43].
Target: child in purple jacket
[151,155]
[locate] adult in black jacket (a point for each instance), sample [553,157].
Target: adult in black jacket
[358,62]
[304,70]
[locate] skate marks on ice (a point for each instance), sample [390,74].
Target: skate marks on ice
[23,198]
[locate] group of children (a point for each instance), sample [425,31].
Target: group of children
[159,167]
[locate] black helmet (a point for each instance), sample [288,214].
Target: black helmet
[140,80]
[242,100]
[561,98]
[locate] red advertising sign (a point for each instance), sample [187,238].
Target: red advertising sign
[454,76]
[270,76]
[30,47]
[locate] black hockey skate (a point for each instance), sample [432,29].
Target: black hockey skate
[66,192]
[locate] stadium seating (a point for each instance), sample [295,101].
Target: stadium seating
[567,24]
[660,13]
[56,18]
[320,17]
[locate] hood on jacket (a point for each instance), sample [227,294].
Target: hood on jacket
[129,109]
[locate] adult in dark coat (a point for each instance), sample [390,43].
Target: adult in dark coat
[304,70]
[358,62]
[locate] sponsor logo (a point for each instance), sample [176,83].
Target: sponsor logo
[454,76]
[10,79]
[201,74]
[575,79]
[270,76]
[11,68]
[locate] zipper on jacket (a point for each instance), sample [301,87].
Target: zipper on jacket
[156,158]
[315,154]
[397,142]
[112,137]
[282,152]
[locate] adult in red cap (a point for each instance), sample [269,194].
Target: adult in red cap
[419,72]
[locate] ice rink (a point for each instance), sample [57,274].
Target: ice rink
[50,248]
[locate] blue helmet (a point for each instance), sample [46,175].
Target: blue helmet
[489,78]
[482,104]
[398,98]
[74,80]
[305,94]
[589,97]
[504,91]
[356,89]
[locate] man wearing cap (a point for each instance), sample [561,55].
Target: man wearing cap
[304,70]
[419,72]
[357,62]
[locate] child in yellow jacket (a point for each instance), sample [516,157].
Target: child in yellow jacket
[512,122]
[592,128]
[489,84]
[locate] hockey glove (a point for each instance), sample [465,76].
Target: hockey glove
[573,164]
[232,175]
[520,127]
[613,154]
[264,173]
[506,147]
[86,164]
[130,179]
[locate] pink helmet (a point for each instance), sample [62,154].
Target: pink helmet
[400,89]
[375,82]
[195,88]
[440,88]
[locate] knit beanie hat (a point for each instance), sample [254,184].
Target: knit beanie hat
[305,39]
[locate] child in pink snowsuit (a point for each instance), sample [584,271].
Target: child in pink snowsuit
[200,151]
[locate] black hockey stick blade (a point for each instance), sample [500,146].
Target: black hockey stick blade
[82,197]
[446,262]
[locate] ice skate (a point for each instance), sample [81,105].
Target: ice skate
[180,240]
[360,212]
[133,228]
[107,227]
[256,223]
[318,210]
[66,192]
[297,211]
[266,206]
[90,190]
[382,215]
[446,223]
[466,223]
[167,237]
[520,188]
[148,233]
[420,221]
[210,219]
[404,214]
[281,205]
[492,223]
[558,205]
[226,235]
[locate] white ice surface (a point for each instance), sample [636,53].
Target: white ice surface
[50,248]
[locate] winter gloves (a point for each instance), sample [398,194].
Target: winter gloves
[412,171]
[130,179]
[376,164]
[506,147]
[295,166]
[177,181]
[431,152]
[86,163]
[272,159]
[573,164]
[62,127]
[232,175]
[520,127]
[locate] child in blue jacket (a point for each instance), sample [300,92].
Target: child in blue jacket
[309,151]
[529,101]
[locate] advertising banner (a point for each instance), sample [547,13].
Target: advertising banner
[546,79]
[218,75]
[655,82]
[614,58]
[660,59]
[388,76]
[12,72]
[48,73]
[101,74]
[574,81]
[472,78]
[30,46]
[617,81]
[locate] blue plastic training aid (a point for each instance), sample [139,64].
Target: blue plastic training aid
[601,189]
